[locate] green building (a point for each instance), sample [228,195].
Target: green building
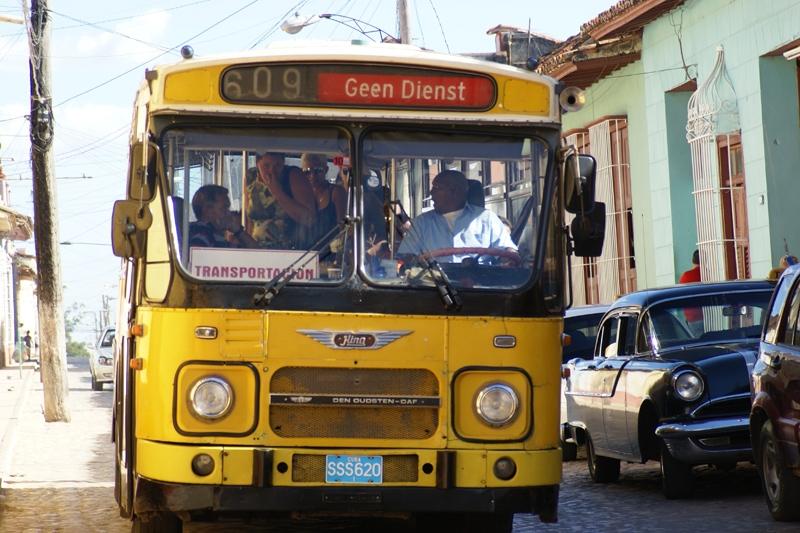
[692,113]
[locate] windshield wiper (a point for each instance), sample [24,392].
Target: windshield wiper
[450,297]
[264,296]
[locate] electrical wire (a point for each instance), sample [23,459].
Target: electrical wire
[113,32]
[274,27]
[435,12]
[140,65]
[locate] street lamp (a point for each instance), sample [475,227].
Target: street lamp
[297,22]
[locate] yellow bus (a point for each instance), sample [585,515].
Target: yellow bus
[343,287]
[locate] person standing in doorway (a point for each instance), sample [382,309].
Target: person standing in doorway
[693,274]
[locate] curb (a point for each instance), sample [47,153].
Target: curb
[9,438]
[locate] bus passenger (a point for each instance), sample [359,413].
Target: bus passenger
[216,225]
[454,223]
[280,202]
[329,199]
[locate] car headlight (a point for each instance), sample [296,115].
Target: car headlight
[496,404]
[688,385]
[104,360]
[211,397]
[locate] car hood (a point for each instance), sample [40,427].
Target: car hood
[726,367]
[104,352]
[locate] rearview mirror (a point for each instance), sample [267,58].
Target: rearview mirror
[588,231]
[142,171]
[579,180]
[129,222]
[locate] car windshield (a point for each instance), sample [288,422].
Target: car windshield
[108,339]
[706,318]
[470,203]
[248,205]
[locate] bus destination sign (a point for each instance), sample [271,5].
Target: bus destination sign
[361,86]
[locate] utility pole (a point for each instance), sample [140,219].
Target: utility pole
[52,336]
[403,21]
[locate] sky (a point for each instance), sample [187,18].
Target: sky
[99,52]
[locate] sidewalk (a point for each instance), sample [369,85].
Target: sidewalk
[15,384]
[59,476]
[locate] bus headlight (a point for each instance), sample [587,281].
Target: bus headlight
[496,404]
[688,385]
[211,397]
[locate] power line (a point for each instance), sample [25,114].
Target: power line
[114,32]
[435,12]
[274,27]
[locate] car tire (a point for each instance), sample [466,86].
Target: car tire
[781,486]
[601,469]
[96,385]
[569,451]
[676,476]
[157,523]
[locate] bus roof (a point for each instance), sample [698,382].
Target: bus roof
[192,85]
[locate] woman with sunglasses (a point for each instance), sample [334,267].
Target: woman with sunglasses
[330,199]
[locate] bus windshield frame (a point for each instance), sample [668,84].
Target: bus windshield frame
[473,149]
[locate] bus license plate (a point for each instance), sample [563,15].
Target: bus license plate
[354,469]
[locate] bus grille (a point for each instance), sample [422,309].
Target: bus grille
[396,468]
[349,421]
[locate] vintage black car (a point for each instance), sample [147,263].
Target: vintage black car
[669,381]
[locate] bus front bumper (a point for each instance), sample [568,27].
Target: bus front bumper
[256,479]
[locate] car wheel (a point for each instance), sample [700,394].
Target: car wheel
[676,477]
[569,451]
[601,469]
[96,385]
[781,487]
[157,523]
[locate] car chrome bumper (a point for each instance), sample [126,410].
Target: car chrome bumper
[708,441]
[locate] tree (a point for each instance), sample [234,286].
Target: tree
[72,319]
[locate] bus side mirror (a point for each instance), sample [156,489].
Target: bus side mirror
[588,231]
[129,222]
[142,161]
[579,180]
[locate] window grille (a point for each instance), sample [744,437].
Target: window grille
[713,133]
[616,267]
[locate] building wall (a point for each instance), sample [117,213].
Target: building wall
[622,93]
[766,91]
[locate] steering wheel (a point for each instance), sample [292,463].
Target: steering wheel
[502,253]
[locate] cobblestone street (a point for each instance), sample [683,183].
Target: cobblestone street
[61,479]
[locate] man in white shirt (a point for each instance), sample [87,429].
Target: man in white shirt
[454,223]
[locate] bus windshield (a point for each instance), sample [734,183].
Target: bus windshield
[469,202]
[251,204]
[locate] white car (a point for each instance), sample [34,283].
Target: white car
[100,362]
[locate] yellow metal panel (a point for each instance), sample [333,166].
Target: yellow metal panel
[537,350]
[520,96]
[237,466]
[243,382]
[197,86]
[533,468]
[467,423]
[424,341]
[165,462]
[234,465]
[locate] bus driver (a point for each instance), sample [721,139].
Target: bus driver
[216,225]
[454,223]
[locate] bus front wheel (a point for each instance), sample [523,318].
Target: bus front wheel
[157,523]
